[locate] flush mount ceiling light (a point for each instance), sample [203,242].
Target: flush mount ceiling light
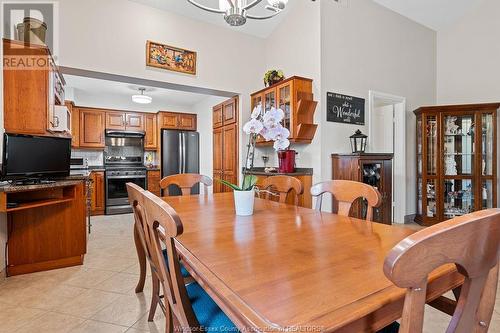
[236,11]
[142,99]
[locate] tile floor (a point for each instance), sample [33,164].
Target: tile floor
[99,296]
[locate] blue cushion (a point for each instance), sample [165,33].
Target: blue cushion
[209,315]
[392,328]
[184,271]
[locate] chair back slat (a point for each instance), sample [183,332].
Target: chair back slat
[164,225]
[283,186]
[185,181]
[345,192]
[472,243]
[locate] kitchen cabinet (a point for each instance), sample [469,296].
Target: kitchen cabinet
[181,121]
[124,121]
[295,97]
[225,144]
[151,128]
[369,168]
[456,161]
[154,178]
[30,94]
[98,193]
[75,124]
[92,125]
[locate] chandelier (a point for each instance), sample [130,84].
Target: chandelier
[236,11]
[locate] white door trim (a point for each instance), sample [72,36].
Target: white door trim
[399,163]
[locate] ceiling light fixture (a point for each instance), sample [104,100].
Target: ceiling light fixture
[235,11]
[142,99]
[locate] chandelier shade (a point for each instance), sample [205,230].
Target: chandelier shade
[142,99]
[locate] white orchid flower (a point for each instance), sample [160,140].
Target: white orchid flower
[256,111]
[274,116]
[253,127]
[281,144]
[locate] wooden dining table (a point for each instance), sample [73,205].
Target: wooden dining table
[288,268]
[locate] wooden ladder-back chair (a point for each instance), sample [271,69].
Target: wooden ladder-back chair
[185,181]
[472,243]
[185,302]
[346,192]
[283,186]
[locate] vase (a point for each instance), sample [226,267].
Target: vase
[243,202]
[286,159]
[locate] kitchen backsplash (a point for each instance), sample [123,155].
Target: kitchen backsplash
[95,158]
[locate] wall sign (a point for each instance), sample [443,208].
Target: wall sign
[345,109]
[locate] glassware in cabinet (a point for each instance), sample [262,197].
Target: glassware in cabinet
[458,144]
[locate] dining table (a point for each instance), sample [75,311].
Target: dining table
[288,268]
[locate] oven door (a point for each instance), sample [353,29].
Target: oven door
[116,188]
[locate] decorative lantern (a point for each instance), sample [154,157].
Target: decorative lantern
[358,142]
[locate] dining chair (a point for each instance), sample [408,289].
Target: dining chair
[345,192]
[141,239]
[472,243]
[185,181]
[193,308]
[282,186]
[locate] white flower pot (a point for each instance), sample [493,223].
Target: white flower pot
[243,202]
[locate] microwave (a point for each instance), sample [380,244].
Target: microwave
[62,119]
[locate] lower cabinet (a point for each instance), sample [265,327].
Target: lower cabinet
[154,178]
[98,193]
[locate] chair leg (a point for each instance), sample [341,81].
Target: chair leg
[142,261]
[169,327]
[155,297]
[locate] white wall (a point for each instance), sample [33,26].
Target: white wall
[468,56]
[365,46]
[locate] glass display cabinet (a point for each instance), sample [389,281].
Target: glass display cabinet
[456,157]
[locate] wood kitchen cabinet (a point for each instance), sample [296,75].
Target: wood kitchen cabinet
[181,121]
[75,124]
[369,168]
[98,193]
[92,126]
[217,116]
[295,97]
[125,121]
[151,128]
[30,94]
[154,178]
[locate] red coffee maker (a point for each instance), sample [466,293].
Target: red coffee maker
[286,160]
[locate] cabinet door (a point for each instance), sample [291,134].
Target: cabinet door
[217,116]
[230,111]
[154,182]
[229,153]
[284,102]
[92,128]
[97,198]
[134,121]
[115,120]
[151,128]
[169,120]
[217,158]
[187,122]
[75,127]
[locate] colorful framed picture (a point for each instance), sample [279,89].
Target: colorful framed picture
[170,58]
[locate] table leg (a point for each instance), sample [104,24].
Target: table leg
[141,255]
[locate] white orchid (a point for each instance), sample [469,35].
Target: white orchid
[281,144]
[273,116]
[254,126]
[257,111]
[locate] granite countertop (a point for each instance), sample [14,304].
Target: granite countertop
[298,172]
[69,181]
[153,168]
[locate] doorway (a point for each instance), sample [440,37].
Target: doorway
[386,128]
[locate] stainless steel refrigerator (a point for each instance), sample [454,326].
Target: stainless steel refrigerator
[180,153]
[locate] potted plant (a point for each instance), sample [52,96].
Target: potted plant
[273,76]
[244,196]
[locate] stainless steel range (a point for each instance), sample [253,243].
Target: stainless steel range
[123,161]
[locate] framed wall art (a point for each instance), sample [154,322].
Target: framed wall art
[170,58]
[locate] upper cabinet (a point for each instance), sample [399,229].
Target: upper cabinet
[30,94]
[225,113]
[125,121]
[151,128]
[92,126]
[181,121]
[295,97]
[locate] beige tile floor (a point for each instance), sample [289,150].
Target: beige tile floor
[99,296]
